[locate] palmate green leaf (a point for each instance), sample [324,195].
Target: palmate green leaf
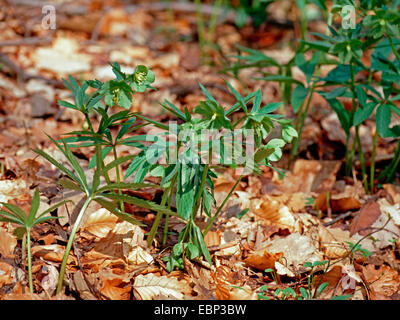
[66,104]
[10,217]
[139,202]
[57,164]
[113,208]
[337,92]
[207,93]
[49,210]
[238,104]
[118,162]
[383,118]
[74,163]
[256,56]
[279,78]
[156,123]
[276,145]
[363,114]
[44,219]
[304,293]
[238,97]
[257,101]
[344,116]
[321,288]
[69,184]
[16,211]
[34,208]
[104,152]
[323,46]
[72,160]
[241,214]
[262,154]
[126,185]
[198,240]
[288,133]
[174,110]
[19,232]
[299,94]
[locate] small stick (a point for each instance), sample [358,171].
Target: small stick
[339,217]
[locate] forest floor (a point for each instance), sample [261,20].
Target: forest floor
[314,213]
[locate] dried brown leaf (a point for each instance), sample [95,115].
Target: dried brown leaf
[100,222]
[148,287]
[7,244]
[383,281]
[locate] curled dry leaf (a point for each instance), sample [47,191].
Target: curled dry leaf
[391,210]
[334,241]
[382,231]
[52,252]
[212,238]
[125,241]
[12,189]
[383,282]
[116,288]
[310,176]
[7,244]
[262,259]
[149,286]
[302,177]
[297,249]
[393,191]
[229,286]
[369,213]
[137,255]
[6,271]
[100,222]
[49,282]
[274,212]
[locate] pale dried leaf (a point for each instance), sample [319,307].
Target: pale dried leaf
[296,249]
[49,281]
[100,222]
[6,271]
[51,252]
[7,244]
[147,287]
[11,189]
[334,241]
[384,281]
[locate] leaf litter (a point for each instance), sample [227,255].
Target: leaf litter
[287,226]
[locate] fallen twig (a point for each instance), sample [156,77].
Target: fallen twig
[23,76]
[339,217]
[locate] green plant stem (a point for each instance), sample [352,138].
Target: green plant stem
[349,159]
[222,206]
[395,52]
[213,21]
[202,184]
[299,124]
[121,204]
[69,244]
[395,163]
[346,156]
[98,147]
[362,162]
[157,220]
[200,28]
[88,122]
[372,168]
[171,192]
[28,237]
